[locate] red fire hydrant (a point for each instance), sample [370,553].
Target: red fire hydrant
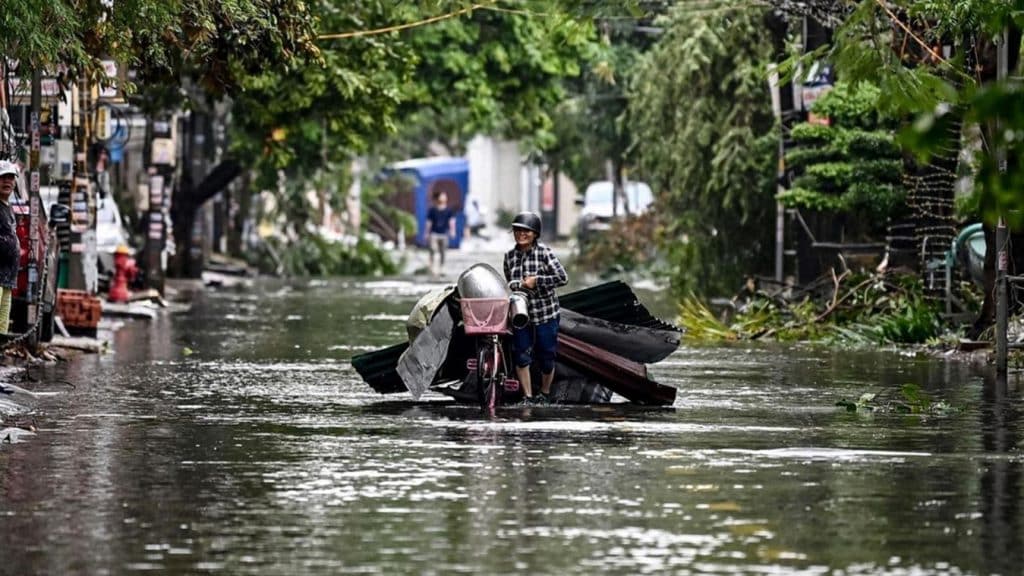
[124,272]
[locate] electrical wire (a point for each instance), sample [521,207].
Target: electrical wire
[398,27]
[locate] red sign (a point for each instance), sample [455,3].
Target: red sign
[547,195]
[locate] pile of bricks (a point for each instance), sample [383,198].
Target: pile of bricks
[79,310]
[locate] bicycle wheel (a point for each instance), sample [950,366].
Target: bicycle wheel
[487,375]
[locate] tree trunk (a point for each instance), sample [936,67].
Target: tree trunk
[237,218]
[187,201]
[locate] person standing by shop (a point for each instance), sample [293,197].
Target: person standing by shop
[441,227]
[531,267]
[10,250]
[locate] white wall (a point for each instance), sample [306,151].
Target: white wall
[500,180]
[494,174]
[568,211]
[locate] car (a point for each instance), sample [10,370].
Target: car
[597,213]
[110,233]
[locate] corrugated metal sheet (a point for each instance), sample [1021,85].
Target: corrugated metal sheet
[614,302]
[378,368]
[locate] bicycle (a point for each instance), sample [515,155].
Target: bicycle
[485,304]
[487,320]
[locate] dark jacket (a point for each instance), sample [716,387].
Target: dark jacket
[10,250]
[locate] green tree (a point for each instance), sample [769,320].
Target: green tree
[936,61]
[313,83]
[706,139]
[495,71]
[592,124]
[851,168]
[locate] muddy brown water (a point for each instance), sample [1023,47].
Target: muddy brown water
[237,439]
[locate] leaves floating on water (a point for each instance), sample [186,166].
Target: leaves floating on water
[911,400]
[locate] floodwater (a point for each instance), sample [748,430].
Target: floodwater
[237,439]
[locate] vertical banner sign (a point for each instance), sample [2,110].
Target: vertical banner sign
[33,223]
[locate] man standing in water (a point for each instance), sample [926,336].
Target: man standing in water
[10,250]
[441,227]
[531,267]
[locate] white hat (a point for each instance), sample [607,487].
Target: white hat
[7,167]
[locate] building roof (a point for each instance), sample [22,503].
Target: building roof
[435,166]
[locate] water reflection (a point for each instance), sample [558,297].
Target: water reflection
[1000,482]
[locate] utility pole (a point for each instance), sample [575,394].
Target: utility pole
[617,191]
[1002,258]
[1002,308]
[780,210]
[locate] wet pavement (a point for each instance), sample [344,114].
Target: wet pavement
[237,439]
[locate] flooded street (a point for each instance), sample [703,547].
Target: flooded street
[237,439]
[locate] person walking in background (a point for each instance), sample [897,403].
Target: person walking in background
[531,267]
[441,227]
[475,219]
[10,249]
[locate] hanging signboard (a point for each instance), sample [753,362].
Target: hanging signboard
[80,206]
[21,87]
[163,152]
[110,89]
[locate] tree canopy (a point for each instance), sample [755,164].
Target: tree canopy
[216,43]
[705,135]
[486,70]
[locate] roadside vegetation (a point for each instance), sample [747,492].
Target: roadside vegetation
[706,142]
[849,168]
[848,309]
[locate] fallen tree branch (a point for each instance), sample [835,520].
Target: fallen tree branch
[836,303]
[835,293]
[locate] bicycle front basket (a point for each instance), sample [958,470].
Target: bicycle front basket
[484,315]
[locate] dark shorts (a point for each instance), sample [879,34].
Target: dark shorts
[537,341]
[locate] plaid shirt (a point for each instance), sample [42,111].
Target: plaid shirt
[541,262]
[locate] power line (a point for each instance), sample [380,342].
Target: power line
[398,27]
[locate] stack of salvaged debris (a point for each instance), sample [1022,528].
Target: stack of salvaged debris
[606,338]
